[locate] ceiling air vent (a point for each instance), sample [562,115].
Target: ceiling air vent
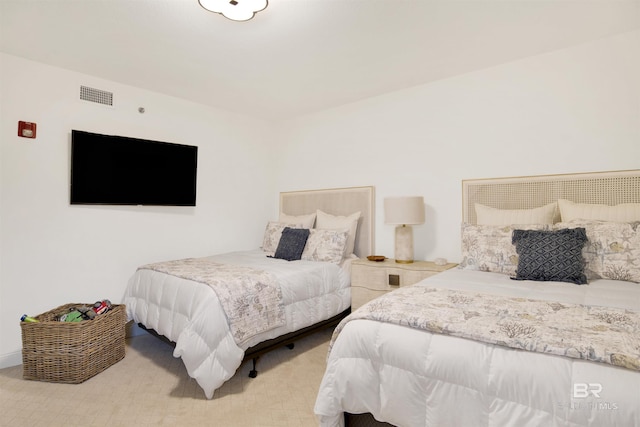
[96,95]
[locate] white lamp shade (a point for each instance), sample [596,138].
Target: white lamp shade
[240,10]
[404,210]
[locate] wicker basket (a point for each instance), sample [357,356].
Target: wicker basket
[72,352]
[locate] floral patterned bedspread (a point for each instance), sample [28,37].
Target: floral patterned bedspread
[594,333]
[251,298]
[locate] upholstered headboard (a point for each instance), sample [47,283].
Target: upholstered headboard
[337,201]
[608,188]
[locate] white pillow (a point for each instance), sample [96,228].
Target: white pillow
[272,235]
[325,221]
[305,220]
[486,215]
[626,212]
[325,245]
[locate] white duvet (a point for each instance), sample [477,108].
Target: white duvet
[189,313]
[410,377]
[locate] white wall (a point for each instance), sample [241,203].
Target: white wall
[573,110]
[53,253]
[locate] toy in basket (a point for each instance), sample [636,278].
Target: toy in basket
[72,351]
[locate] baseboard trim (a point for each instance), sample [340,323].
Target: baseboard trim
[11,359]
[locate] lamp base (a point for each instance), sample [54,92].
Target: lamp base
[404,244]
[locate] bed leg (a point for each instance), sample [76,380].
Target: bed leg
[290,346]
[253,373]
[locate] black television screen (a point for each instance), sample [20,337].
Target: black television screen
[117,170]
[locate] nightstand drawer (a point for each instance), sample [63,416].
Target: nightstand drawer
[409,277]
[370,279]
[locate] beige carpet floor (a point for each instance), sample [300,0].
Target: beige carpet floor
[150,387]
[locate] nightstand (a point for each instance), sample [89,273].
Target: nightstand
[370,279]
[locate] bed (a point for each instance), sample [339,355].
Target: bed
[472,346]
[222,310]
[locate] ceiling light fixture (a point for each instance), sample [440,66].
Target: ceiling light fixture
[236,10]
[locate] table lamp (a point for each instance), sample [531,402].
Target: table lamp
[404,212]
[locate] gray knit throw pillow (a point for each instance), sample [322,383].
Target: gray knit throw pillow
[550,255]
[292,243]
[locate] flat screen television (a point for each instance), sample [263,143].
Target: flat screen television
[117,170]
